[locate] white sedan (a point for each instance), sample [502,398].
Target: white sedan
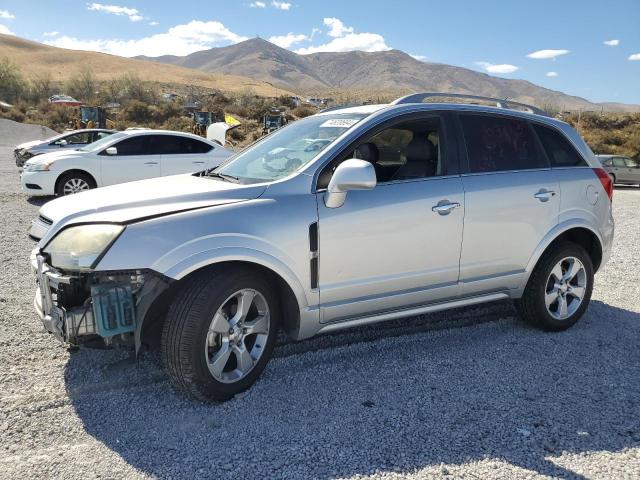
[122,157]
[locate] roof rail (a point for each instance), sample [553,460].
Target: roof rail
[500,103]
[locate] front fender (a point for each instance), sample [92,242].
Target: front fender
[179,264]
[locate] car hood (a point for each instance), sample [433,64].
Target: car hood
[132,201]
[50,157]
[31,144]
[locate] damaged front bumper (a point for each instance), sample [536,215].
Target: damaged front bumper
[82,306]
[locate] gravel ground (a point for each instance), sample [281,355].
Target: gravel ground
[471,393]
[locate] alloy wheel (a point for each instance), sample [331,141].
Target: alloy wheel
[565,288]
[75,185]
[237,335]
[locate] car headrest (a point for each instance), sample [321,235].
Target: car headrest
[368,152]
[420,149]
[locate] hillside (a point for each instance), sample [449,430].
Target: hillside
[62,64]
[390,71]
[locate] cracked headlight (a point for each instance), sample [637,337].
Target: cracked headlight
[79,248]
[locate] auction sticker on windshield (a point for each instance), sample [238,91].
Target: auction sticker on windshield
[340,122]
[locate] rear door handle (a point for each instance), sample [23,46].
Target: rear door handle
[444,207]
[544,195]
[151,163]
[198,163]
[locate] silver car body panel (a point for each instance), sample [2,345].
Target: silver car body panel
[384,254]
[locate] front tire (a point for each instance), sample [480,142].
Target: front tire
[559,289]
[219,333]
[74,182]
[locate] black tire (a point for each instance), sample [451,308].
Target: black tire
[613,178]
[532,307]
[71,176]
[184,333]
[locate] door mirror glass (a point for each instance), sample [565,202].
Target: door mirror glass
[111,151]
[352,174]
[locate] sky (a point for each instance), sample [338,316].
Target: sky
[588,48]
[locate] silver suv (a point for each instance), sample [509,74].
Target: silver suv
[342,219]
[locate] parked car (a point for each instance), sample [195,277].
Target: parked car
[623,170]
[341,219]
[73,139]
[121,157]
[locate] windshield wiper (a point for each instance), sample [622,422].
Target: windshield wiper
[224,176]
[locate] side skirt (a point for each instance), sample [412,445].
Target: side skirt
[409,312]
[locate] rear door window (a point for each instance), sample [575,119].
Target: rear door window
[500,144]
[560,152]
[166,144]
[191,145]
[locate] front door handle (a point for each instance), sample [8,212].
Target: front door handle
[150,163]
[544,195]
[198,163]
[444,207]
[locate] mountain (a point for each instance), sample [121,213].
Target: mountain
[389,71]
[34,58]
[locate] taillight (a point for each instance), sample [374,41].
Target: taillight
[605,180]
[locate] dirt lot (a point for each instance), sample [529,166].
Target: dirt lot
[471,393]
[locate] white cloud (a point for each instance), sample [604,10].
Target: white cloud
[7,15]
[178,40]
[612,43]
[634,57]
[421,58]
[5,30]
[285,41]
[280,5]
[368,42]
[551,74]
[337,28]
[50,34]
[345,39]
[546,54]
[258,5]
[132,13]
[154,23]
[497,68]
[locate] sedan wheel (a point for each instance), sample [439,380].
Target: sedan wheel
[75,185]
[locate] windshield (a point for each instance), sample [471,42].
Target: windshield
[103,142]
[288,149]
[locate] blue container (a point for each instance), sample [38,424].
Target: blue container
[113,309]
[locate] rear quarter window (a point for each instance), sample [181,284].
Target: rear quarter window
[560,152]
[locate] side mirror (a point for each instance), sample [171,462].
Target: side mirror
[111,151]
[352,174]
[62,143]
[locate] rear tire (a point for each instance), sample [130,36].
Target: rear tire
[74,182]
[209,355]
[559,289]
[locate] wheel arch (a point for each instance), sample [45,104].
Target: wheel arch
[151,325]
[575,232]
[70,171]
